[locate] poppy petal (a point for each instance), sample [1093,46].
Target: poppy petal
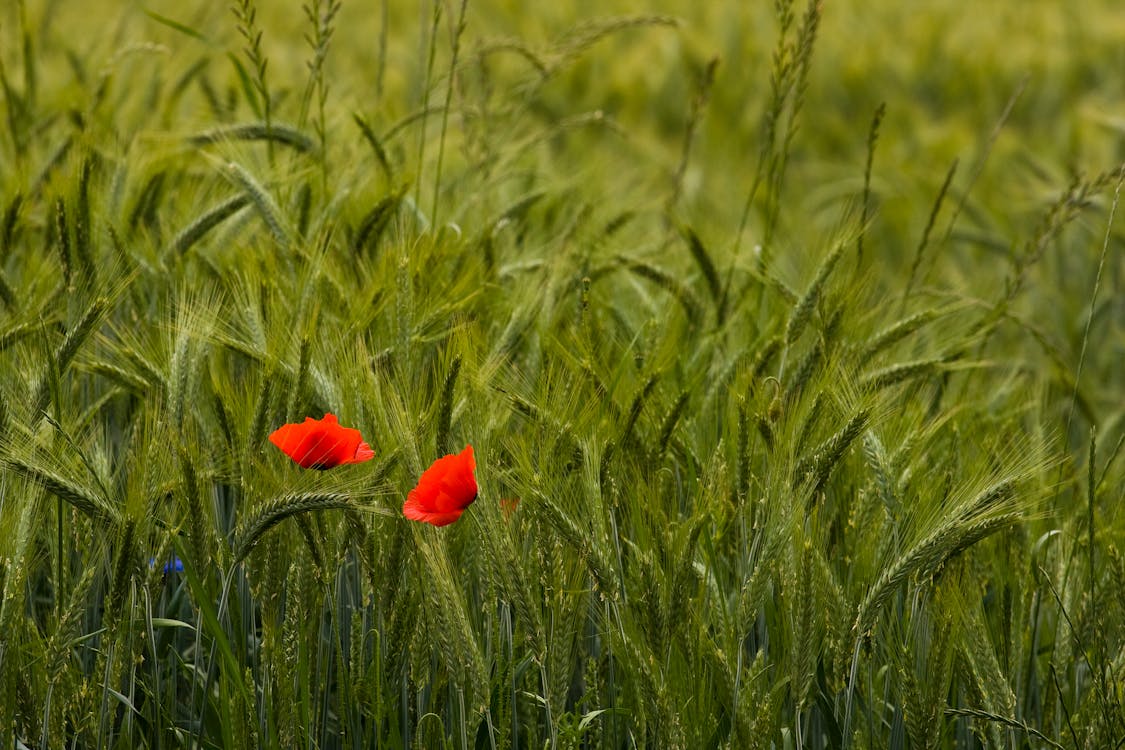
[363,453]
[321,443]
[415,513]
[444,490]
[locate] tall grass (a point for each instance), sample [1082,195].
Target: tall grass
[781,441]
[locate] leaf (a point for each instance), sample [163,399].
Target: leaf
[177,26]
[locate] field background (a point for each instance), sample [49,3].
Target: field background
[788,337]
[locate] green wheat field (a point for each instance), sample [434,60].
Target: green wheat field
[789,339]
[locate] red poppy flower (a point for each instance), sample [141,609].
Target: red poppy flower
[444,491]
[508,506]
[321,443]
